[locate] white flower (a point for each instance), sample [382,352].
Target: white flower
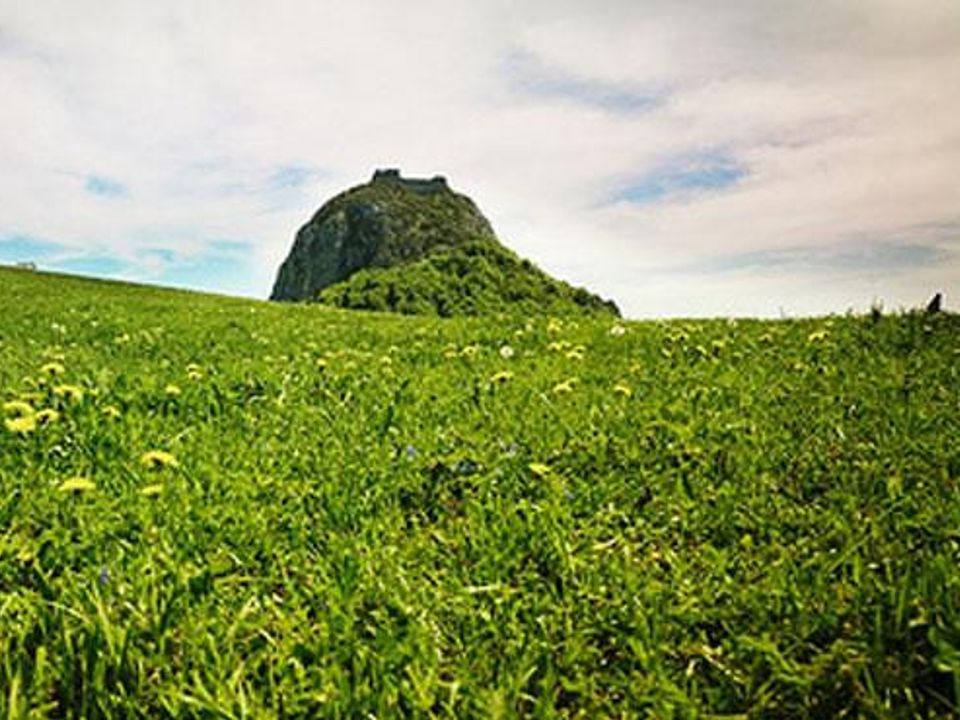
[506,352]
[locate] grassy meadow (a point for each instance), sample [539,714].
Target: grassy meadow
[221,508]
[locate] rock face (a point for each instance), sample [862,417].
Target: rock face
[414,246]
[389,221]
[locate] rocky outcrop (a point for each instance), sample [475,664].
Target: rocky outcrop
[389,221]
[413,245]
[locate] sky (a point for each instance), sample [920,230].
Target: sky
[684,158]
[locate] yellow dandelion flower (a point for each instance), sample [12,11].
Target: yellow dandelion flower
[70,393]
[469,351]
[501,377]
[77,484]
[112,412]
[575,354]
[17,408]
[151,490]
[158,459]
[52,369]
[21,425]
[564,387]
[321,363]
[194,372]
[172,390]
[540,469]
[47,416]
[621,388]
[818,336]
[554,325]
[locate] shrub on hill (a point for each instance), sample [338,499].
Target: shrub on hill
[478,278]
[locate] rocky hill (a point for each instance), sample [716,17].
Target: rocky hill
[415,246]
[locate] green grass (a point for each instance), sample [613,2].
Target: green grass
[376,516]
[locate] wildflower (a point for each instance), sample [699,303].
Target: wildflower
[70,393]
[501,377]
[576,353]
[540,469]
[172,390]
[554,325]
[470,351]
[564,387]
[47,416]
[151,490]
[52,369]
[618,330]
[621,388]
[158,459]
[112,412]
[77,484]
[21,425]
[17,408]
[506,352]
[321,363]
[818,336]
[121,339]
[193,372]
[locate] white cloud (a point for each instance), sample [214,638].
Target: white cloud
[841,113]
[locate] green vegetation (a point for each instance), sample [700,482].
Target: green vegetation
[478,278]
[212,507]
[416,247]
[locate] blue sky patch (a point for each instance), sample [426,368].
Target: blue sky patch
[105,187]
[703,174]
[290,176]
[870,257]
[530,76]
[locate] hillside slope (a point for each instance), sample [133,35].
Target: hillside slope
[215,507]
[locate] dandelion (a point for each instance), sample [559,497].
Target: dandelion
[554,326]
[470,351]
[818,336]
[618,330]
[70,393]
[172,390]
[158,459]
[47,416]
[112,412]
[77,485]
[564,387]
[193,372]
[576,353]
[53,369]
[621,388]
[501,377]
[506,352]
[540,469]
[17,408]
[151,490]
[321,363]
[21,425]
